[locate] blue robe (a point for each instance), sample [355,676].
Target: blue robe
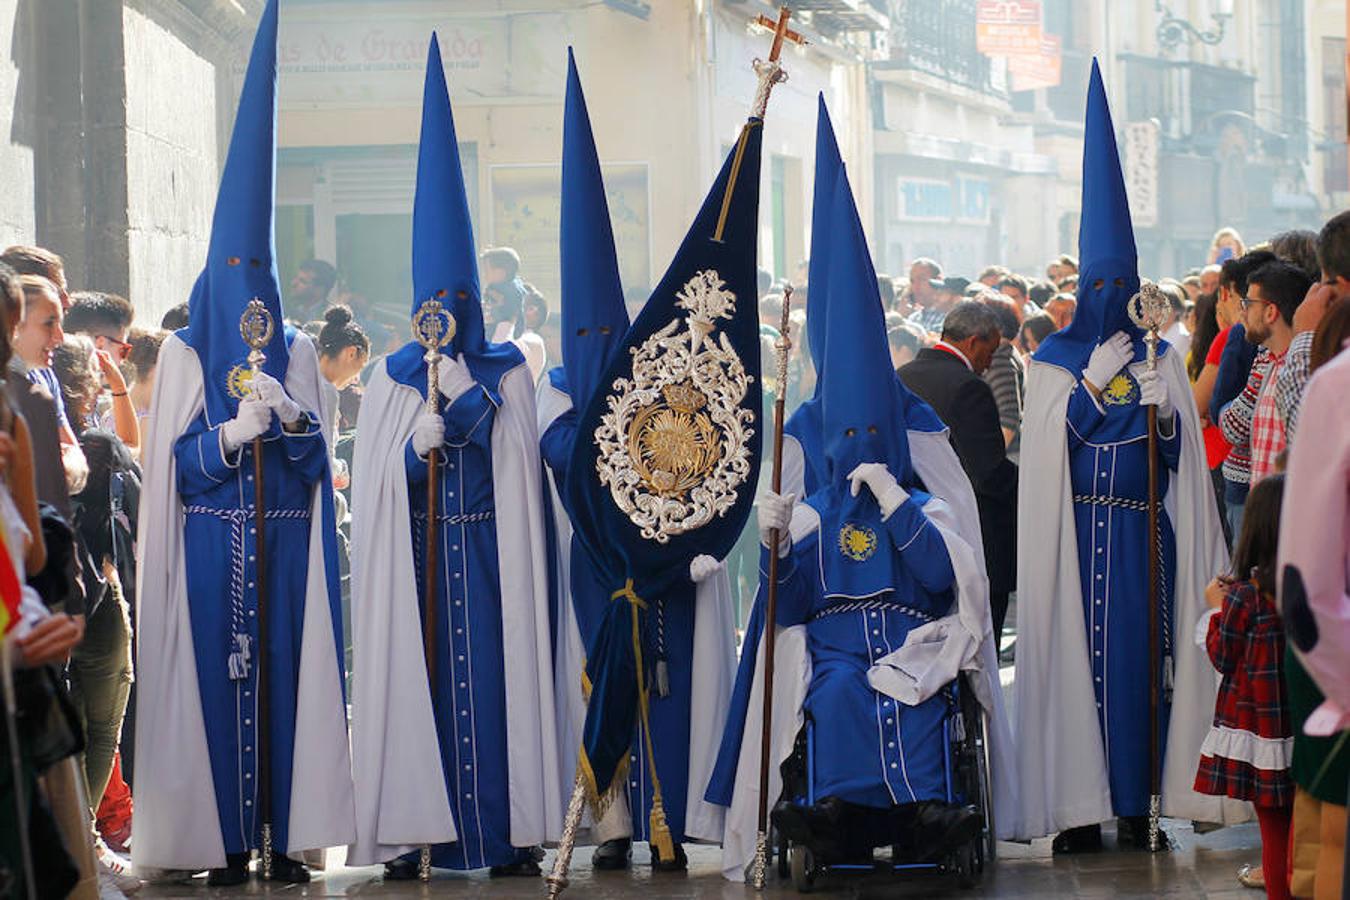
[470,689]
[869,748]
[1108,468]
[220,543]
[670,632]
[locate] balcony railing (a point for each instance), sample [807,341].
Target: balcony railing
[845,15]
[1185,97]
[937,37]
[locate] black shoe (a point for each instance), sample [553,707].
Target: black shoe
[1084,839]
[612,856]
[288,871]
[401,870]
[521,868]
[1132,832]
[680,862]
[235,871]
[791,822]
[816,826]
[940,828]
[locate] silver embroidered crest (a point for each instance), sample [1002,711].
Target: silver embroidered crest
[674,443]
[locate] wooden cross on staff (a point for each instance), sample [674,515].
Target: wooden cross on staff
[770,71]
[780,32]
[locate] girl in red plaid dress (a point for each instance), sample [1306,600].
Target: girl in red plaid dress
[1247,752]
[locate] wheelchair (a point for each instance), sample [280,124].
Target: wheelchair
[966,767]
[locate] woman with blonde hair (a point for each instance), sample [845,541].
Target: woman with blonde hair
[1227,244]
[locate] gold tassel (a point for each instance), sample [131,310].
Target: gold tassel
[660,836]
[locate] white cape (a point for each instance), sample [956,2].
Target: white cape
[401,798]
[714,664]
[1061,760]
[932,656]
[176,825]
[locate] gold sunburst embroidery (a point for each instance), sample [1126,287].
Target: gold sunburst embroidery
[857,542]
[239,383]
[1121,391]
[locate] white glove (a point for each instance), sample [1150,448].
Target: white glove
[454,378]
[428,434]
[252,420]
[1153,392]
[1107,359]
[775,512]
[703,567]
[269,391]
[881,483]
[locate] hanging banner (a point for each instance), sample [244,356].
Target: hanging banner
[1143,140]
[1008,27]
[1043,69]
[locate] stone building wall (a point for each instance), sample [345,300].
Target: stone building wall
[172,166]
[17,203]
[110,144]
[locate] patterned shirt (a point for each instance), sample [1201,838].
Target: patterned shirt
[1236,423]
[1293,379]
[929,318]
[1267,427]
[1006,377]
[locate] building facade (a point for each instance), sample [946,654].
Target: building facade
[668,87]
[1229,112]
[958,178]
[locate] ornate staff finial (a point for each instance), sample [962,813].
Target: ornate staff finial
[433,326]
[771,71]
[256,327]
[1150,309]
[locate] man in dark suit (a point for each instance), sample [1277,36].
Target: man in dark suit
[947,376]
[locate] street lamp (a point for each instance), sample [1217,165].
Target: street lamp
[1174,31]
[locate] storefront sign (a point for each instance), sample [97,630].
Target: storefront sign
[356,58]
[925,200]
[974,196]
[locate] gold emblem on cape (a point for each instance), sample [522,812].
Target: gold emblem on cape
[857,542]
[239,381]
[1121,391]
[674,443]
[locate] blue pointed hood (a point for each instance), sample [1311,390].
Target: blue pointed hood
[805,423]
[862,410]
[1107,258]
[594,318]
[444,263]
[241,257]
[829,170]
[862,414]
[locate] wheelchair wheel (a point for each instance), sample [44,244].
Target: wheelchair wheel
[804,871]
[975,772]
[983,767]
[966,865]
[781,851]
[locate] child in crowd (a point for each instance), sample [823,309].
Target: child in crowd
[1248,750]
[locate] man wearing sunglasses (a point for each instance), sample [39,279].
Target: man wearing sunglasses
[106,318]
